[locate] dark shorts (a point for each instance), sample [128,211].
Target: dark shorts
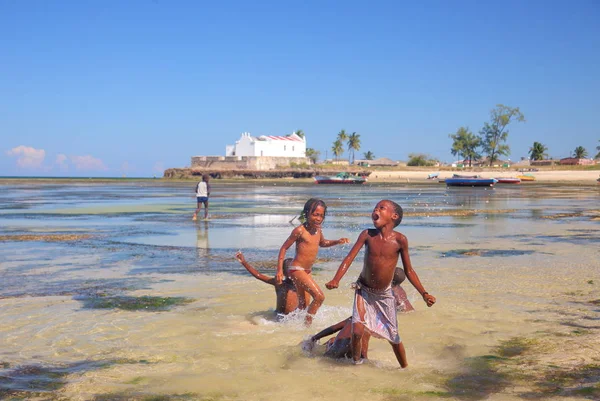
[202,199]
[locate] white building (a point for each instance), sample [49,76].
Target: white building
[268,145]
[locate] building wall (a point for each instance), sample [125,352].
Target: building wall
[245,162]
[573,161]
[248,145]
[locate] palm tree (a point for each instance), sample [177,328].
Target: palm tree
[370,156]
[580,152]
[300,133]
[342,137]
[537,151]
[598,155]
[353,144]
[337,148]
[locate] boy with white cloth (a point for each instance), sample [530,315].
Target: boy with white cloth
[374,304]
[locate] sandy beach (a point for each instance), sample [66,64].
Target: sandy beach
[547,176]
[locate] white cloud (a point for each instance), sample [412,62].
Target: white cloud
[88,163]
[61,162]
[28,157]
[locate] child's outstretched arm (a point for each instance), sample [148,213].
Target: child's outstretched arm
[330,330]
[411,274]
[296,233]
[240,257]
[326,243]
[362,238]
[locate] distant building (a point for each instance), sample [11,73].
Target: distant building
[382,161]
[574,161]
[265,152]
[268,146]
[544,162]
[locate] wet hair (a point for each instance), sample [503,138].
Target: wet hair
[399,276]
[310,207]
[398,210]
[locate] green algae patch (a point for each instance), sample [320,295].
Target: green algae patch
[486,253]
[44,237]
[129,303]
[394,393]
[134,396]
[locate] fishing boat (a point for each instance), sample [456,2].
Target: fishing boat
[433,176]
[470,182]
[508,180]
[340,178]
[526,177]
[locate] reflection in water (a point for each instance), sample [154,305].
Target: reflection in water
[202,245]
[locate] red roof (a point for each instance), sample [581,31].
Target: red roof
[282,138]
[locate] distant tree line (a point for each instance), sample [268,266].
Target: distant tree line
[490,141]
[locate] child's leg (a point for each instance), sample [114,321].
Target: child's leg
[400,354]
[358,329]
[197,210]
[206,209]
[302,296]
[304,281]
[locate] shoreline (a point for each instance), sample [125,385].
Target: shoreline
[576,177]
[546,176]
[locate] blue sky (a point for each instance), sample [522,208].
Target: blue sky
[106,88]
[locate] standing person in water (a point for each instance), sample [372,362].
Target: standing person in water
[287,296]
[340,345]
[374,309]
[308,237]
[202,194]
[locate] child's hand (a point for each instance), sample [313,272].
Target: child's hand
[279,278]
[332,284]
[429,299]
[344,240]
[240,256]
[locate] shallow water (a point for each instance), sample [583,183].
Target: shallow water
[505,270]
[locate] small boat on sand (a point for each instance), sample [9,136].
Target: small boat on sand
[340,178]
[526,177]
[470,182]
[433,176]
[508,180]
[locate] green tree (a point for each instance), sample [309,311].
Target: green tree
[337,148]
[313,154]
[494,133]
[353,144]
[419,159]
[580,152]
[465,144]
[370,156]
[300,133]
[598,155]
[342,137]
[537,151]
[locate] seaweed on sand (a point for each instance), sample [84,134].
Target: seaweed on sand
[130,303]
[44,237]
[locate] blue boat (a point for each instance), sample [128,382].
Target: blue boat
[470,182]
